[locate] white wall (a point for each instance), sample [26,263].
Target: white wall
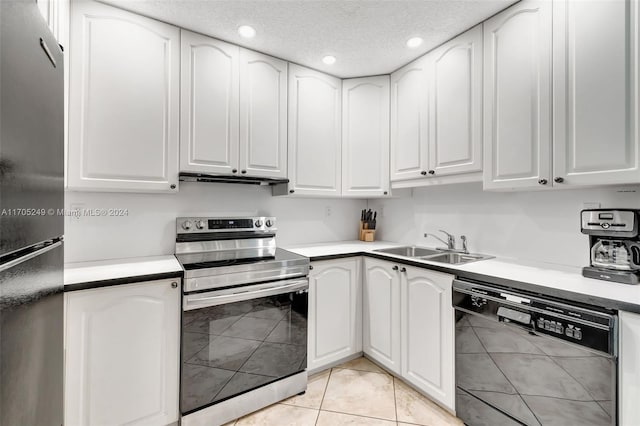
[537,226]
[149,229]
[532,226]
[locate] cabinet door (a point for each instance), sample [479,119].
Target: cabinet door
[409,121]
[263,115]
[456,105]
[209,110]
[381,313]
[365,136]
[123,104]
[517,97]
[427,333]
[335,312]
[629,370]
[596,94]
[314,132]
[122,346]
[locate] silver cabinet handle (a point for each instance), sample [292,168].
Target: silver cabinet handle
[174,285]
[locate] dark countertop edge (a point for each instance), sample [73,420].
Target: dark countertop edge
[120,281]
[502,282]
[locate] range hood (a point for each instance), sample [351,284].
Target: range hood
[247,180]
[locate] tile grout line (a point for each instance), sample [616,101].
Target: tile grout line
[395,400]
[326,386]
[360,415]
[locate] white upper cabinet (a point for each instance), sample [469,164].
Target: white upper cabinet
[409,117]
[263,115]
[335,311]
[427,325]
[455,76]
[365,136]
[123,105]
[315,146]
[517,97]
[122,355]
[209,119]
[381,313]
[596,78]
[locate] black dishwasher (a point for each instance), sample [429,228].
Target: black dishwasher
[528,360]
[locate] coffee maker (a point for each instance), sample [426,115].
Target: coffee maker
[614,244]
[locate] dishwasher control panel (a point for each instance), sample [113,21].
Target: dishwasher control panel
[559,327]
[591,328]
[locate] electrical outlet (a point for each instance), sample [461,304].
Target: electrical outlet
[327,211]
[75,210]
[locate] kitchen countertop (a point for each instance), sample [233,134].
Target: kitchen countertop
[548,279]
[542,278]
[85,275]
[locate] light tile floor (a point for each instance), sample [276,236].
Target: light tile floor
[356,393]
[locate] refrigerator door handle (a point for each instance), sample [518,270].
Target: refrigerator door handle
[44,46]
[45,247]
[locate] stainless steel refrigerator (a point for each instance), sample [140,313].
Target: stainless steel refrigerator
[31,224]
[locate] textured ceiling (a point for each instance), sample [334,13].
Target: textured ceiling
[366,36]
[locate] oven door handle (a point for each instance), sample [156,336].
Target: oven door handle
[215,298]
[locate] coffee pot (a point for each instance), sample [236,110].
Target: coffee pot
[614,244]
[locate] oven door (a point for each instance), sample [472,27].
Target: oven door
[239,339]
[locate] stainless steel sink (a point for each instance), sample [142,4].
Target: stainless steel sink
[456,258]
[410,251]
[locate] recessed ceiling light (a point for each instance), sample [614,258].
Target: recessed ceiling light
[414,42]
[246,31]
[329,60]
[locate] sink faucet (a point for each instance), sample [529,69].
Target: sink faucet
[465,249]
[451,240]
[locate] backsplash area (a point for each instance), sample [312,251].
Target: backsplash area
[541,226]
[149,227]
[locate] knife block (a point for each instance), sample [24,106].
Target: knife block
[368,235]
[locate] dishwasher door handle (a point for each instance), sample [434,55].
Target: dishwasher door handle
[508,315]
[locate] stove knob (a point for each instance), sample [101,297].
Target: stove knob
[269,223]
[186,225]
[200,224]
[258,224]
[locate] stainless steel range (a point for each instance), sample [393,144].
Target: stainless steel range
[244,321]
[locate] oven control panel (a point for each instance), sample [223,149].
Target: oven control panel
[191,225]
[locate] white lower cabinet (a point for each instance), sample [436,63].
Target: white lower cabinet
[408,326]
[381,313]
[335,311]
[629,369]
[427,333]
[122,346]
